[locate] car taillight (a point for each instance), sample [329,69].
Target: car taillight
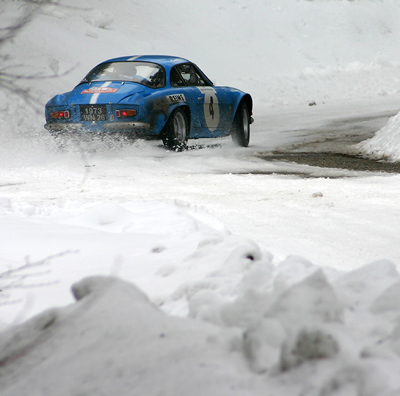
[125,113]
[60,114]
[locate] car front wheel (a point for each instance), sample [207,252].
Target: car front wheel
[176,132]
[240,131]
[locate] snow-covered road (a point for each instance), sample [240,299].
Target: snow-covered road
[340,222]
[205,234]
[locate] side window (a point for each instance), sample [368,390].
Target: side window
[188,75]
[176,79]
[201,79]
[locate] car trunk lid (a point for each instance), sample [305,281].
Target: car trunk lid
[104,92]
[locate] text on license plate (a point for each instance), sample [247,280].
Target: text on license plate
[93,112]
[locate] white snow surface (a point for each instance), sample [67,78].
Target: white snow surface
[139,271]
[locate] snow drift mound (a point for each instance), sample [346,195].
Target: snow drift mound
[386,142]
[113,340]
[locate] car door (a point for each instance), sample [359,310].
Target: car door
[205,108]
[217,109]
[181,84]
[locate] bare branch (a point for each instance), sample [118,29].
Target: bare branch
[35,264]
[9,80]
[15,278]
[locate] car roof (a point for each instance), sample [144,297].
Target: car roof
[165,60]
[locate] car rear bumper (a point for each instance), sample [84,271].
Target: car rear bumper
[105,127]
[58,127]
[119,126]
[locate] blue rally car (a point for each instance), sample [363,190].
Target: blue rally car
[151,96]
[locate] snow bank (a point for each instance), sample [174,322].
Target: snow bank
[246,326]
[114,340]
[385,145]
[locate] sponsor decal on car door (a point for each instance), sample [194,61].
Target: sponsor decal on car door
[210,108]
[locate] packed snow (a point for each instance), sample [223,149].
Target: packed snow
[385,144]
[133,270]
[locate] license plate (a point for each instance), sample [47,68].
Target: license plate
[93,112]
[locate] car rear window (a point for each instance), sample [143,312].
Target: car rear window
[150,74]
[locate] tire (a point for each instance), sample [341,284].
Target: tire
[176,132]
[240,131]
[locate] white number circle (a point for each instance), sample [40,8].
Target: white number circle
[211,109]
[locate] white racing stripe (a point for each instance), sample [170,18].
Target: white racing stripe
[94,97]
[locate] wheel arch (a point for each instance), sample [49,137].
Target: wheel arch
[176,132]
[246,98]
[240,130]
[185,107]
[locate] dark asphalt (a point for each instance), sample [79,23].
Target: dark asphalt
[333,146]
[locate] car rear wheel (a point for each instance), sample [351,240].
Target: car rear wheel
[240,131]
[176,132]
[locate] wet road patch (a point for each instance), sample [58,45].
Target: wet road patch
[332,160]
